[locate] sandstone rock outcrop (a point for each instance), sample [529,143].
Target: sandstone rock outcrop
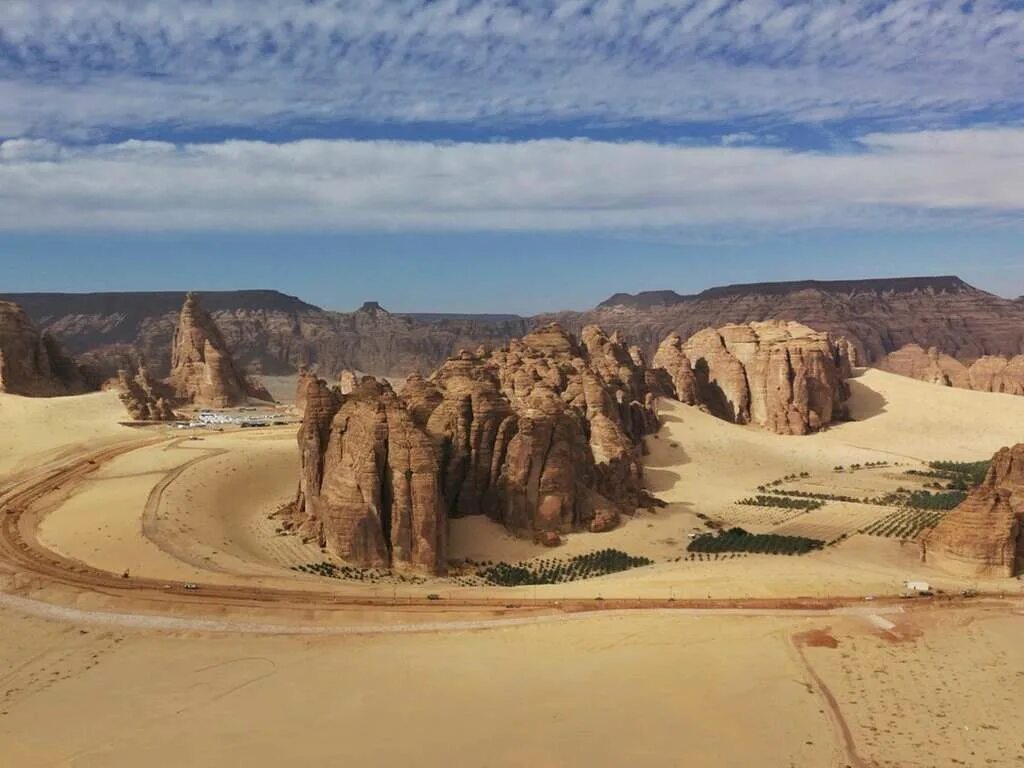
[267,332]
[270,333]
[202,370]
[34,364]
[984,536]
[876,316]
[369,489]
[990,373]
[671,358]
[542,436]
[144,398]
[782,376]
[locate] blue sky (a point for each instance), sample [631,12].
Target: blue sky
[447,154]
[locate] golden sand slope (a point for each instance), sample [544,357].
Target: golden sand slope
[34,430]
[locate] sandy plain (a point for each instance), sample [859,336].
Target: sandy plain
[870,685]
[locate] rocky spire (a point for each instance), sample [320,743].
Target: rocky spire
[202,371]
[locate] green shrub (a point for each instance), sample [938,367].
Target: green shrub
[739,540]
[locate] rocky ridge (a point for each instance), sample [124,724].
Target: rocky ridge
[876,316]
[273,334]
[782,376]
[984,536]
[268,333]
[542,435]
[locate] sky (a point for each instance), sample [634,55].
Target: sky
[473,155]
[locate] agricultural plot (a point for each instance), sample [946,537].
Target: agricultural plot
[761,517]
[558,570]
[740,540]
[906,524]
[833,521]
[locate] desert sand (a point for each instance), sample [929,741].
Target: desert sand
[223,680]
[641,689]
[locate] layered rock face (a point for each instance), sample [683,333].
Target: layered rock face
[984,536]
[267,332]
[877,316]
[34,364]
[369,485]
[542,436]
[272,334]
[990,373]
[144,398]
[782,376]
[202,370]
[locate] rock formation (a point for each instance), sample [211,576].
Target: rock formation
[877,316]
[34,364]
[782,376]
[202,370]
[270,333]
[984,536]
[369,486]
[542,436]
[990,373]
[145,399]
[267,332]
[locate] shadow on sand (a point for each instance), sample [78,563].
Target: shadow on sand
[864,402]
[658,480]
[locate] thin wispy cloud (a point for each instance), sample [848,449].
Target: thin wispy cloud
[72,69]
[897,179]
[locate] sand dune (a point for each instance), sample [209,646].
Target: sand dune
[34,430]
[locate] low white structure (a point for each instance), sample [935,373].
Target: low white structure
[918,587]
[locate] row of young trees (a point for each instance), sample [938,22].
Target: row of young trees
[782,502]
[740,540]
[558,571]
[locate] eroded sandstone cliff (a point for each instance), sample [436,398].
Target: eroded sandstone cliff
[203,372]
[273,334]
[989,373]
[876,316]
[33,364]
[782,376]
[542,435]
[984,536]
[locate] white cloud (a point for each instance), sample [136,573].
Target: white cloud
[538,185]
[72,66]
